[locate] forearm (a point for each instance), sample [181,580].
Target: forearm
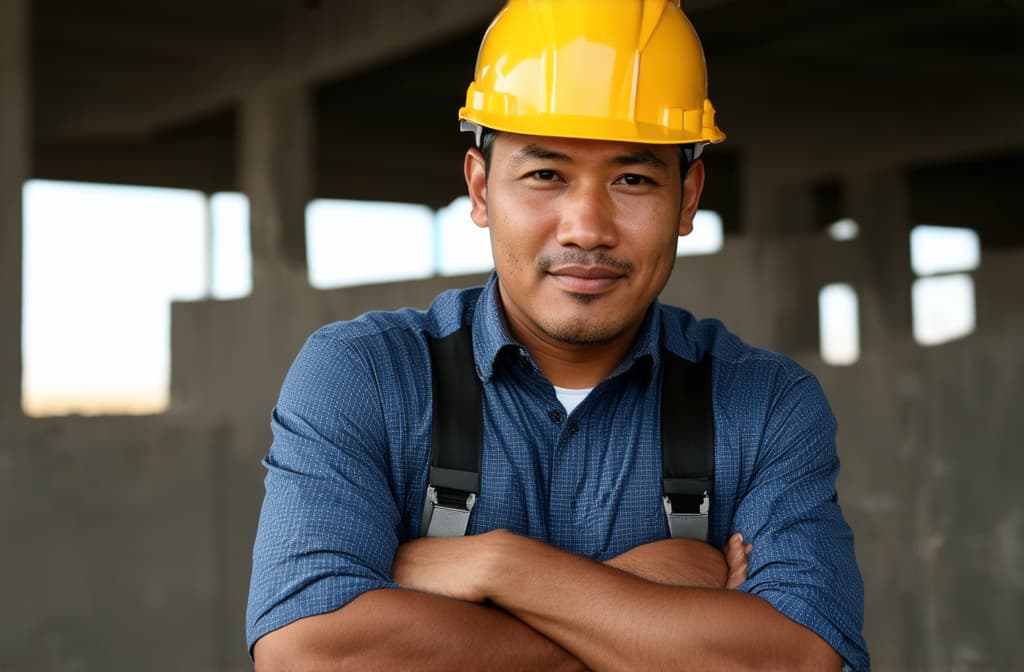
[681,562]
[613,620]
[406,630]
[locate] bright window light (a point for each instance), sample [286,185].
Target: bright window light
[839,324]
[230,250]
[361,242]
[463,247]
[943,249]
[843,230]
[706,237]
[101,266]
[943,308]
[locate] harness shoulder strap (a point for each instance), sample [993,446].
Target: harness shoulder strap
[457,436]
[687,445]
[687,438]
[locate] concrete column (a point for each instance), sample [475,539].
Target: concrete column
[15,158]
[879,201]
[779,219]
[276,172]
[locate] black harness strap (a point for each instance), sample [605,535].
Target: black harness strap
[687,438]
[457,436]
[687,444]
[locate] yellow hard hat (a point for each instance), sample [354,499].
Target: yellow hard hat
[628,70]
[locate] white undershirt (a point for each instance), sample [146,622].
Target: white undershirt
[571,398]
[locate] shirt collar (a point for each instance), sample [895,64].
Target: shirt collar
[491,336]
[645,355]
[490,333]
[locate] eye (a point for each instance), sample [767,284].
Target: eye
[634,180]
[544,175]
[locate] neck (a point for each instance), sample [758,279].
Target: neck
[576,366]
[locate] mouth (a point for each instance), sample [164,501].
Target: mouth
[580,279]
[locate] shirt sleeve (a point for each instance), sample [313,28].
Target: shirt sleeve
[328,526]
[803,560]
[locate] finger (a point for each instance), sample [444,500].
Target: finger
[735,551]
[737,575]
[736,560]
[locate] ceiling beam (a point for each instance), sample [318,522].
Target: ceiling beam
[311,46]
[835,120]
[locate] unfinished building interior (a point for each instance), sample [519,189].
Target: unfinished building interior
[127,539]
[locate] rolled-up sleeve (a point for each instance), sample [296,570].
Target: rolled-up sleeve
[803,561]
[328,526]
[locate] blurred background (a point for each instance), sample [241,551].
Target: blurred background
[188,189]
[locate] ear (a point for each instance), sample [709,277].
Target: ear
[476,183]
[693,185]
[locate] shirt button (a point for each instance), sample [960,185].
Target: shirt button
[556,417]
[574,428]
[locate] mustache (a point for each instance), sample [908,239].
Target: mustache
[583,258]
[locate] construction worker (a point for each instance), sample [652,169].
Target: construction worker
[630,488]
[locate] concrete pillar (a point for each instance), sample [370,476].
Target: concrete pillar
[276,172]
[879,201]
[779,219]
[15,158]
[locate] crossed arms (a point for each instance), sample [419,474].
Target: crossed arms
[499,601]
[502,601]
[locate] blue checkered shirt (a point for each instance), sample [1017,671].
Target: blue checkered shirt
[347,471]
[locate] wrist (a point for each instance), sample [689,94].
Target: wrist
[496,562]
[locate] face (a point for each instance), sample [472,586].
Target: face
[583,232]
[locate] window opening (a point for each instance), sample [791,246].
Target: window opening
[230,265]
[101,265]
[943,308]
[942,298]
[462,246]
[706,237]
[843,230]
[839,324]
[362,242]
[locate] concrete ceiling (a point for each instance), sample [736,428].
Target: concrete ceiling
[148,92]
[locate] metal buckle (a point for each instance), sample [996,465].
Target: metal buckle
[444,520]
[688,525]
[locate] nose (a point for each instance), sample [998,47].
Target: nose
[586,218]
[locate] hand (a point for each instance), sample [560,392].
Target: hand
[736,557]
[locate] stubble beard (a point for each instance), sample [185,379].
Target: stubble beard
[580,331]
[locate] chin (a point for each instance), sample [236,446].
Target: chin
[582,333]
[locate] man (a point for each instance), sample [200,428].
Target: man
[590,116]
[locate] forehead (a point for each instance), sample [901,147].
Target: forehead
[517,148]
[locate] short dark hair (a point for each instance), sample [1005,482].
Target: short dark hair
[487,136]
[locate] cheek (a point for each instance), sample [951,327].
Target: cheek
[518,237]
[506,247]
[654,237]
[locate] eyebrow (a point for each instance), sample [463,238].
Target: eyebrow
[643,158]
[538,152]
